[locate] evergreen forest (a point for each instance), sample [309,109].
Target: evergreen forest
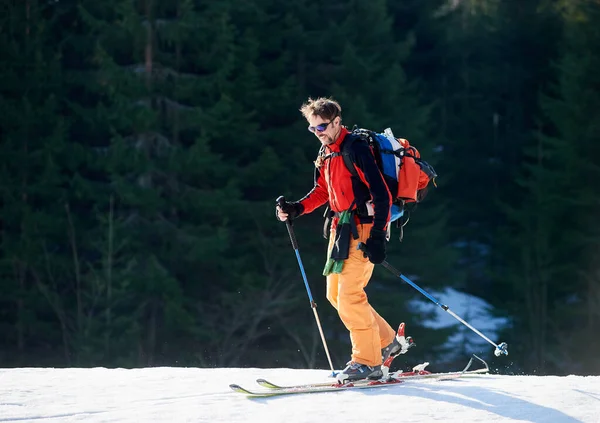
[143,144]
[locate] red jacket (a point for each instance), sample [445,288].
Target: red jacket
[335,184]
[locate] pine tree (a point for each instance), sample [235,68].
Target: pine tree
[554,272]
[162,81]
[33,188]
[485,87]
[187,181]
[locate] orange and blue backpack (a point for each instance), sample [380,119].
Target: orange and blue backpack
[406,174]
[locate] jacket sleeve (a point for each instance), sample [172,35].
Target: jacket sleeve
[369,173]
[317,196]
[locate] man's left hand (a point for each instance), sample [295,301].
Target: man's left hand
[376,246]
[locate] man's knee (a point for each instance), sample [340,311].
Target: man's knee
[352,296]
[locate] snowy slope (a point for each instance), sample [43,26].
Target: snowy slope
[203,395]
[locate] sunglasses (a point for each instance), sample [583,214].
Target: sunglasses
[320,127]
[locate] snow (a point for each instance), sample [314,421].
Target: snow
[471,309]
[166,394]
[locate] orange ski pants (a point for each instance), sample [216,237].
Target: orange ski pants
[369,332]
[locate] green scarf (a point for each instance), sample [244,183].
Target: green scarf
[333,265]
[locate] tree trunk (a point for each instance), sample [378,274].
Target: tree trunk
[109,268]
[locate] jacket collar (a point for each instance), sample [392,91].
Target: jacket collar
[335,147]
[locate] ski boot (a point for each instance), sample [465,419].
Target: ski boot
[356,371]
[399,345]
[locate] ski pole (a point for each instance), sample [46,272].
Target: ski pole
[313,305]
[501,348]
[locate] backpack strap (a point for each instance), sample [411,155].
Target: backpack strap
[345,152]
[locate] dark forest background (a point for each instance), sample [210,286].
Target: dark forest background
[143,144]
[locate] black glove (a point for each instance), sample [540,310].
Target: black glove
[376,246]
[293,210]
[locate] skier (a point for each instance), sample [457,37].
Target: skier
[360,208]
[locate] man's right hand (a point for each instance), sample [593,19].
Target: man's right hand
[288,210]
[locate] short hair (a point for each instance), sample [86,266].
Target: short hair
[327,108]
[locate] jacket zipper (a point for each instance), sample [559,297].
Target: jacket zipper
[334,203]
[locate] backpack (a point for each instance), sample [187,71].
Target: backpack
[405,173]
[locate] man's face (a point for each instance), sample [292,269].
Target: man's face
[325,130]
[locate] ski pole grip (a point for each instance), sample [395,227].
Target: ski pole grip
[280,202]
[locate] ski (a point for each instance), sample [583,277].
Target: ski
[310,389]
[417,373]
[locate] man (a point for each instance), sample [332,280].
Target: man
[373,339]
